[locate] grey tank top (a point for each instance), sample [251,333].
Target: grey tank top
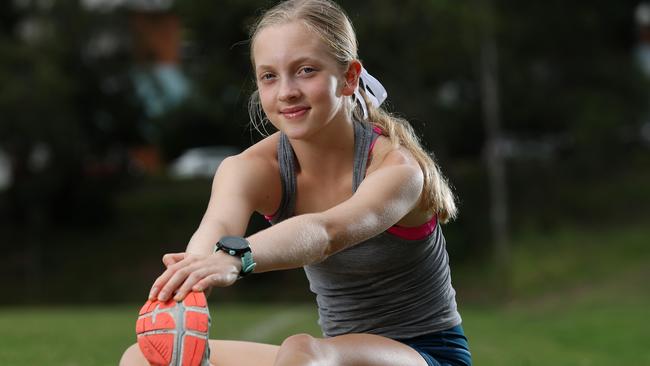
[386,285]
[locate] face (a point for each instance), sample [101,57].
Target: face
[302,87]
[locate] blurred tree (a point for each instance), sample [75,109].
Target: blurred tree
[66,110]
[568,87]
[65,117]
[429,59]
[494,156]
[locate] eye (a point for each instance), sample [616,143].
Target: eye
[306,70]
[266,76]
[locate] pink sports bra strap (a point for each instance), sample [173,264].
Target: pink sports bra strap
[377,132]
[416,232]
[409,233]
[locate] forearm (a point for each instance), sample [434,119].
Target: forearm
[293,243]
[204,239]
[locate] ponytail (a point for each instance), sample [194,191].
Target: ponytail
[437,196]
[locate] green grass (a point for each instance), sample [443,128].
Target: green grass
[606,325]
[93,336]
[577,298]
[603,325]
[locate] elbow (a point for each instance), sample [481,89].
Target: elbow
[341,234]
[330,234]
[314,240]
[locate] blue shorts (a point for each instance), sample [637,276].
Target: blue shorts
[445,348]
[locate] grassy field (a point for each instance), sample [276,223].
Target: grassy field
[576,330]
[583,301]
[604,325]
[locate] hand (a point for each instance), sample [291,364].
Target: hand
[172,258]
[192,272]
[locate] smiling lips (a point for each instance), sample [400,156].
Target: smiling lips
[294,112]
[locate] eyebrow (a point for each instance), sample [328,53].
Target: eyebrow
[300,60]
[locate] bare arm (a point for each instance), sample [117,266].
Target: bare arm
[383,198]
[234,197]
[229,209]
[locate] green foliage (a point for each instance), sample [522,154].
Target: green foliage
[69,109]
[568,69]
[566,72]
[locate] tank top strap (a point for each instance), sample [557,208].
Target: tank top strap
[287,162]
[364,139]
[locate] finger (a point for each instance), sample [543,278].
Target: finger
[190,281]
[205,283]
[172,258]
[174,283]
[216,280]
[164,279]
[159,283]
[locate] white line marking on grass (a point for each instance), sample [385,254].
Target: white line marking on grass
[262,331]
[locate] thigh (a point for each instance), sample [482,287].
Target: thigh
[239,353]
[351,350]
[222,353]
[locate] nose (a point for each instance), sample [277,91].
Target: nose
[288,90]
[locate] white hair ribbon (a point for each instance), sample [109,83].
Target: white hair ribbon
[374,91]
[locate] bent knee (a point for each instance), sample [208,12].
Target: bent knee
[299,342]
[303,346]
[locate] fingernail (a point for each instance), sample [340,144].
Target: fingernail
[152,292]
[162,296]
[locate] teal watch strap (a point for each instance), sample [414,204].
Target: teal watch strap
[247,264]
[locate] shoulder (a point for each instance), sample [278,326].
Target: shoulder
[386,154]
[255,173]
[262,156]
[399,160]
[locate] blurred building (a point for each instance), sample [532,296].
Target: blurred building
[157,76]
[156,36]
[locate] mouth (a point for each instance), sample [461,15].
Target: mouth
[294,112]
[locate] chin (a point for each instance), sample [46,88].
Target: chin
[295,130]
[296,133]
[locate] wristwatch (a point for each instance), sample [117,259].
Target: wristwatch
[238,247]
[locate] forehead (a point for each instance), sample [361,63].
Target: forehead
[283,43]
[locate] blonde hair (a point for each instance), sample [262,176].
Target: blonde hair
[327,20]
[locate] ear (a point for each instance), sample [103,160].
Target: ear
[351,78]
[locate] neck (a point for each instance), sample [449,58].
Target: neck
[330,153]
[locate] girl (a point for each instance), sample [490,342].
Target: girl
[352,196]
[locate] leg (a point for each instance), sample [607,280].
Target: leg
[346,350]
[238,353]
[222,353]
[133,357]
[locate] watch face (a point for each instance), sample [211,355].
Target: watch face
[234,242]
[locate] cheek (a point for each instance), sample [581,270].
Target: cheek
[326,90]
[265,99]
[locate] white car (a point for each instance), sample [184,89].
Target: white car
[200,162]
